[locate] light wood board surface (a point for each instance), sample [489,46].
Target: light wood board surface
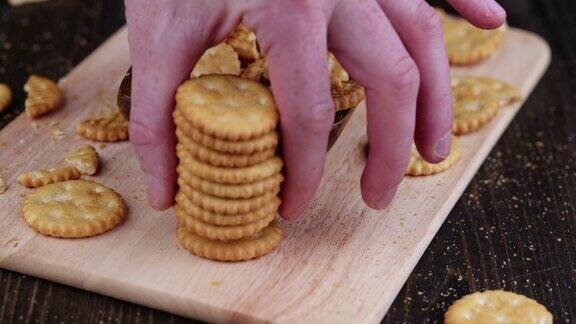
[342,262]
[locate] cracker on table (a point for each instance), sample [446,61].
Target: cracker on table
[217,232]
[243,41]
[73,209]
[110,128]
[5,96]
[474,104]
[247,248]
[209,217]
[249,174]
[220,59]
[418,167]
[187,147]
[262,143]
[35,179]
[227,107]
[233,191]
[43,97]
[497,306]
[227,205]
[3,186]
[467,44]
[507,93]
[84,158]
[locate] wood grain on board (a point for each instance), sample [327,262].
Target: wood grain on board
[341,261]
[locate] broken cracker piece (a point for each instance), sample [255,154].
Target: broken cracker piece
[35,179]
[44,96]
[84,158]
[110,128]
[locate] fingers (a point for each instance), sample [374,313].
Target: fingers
[420,28]
[162,55]
[487,14]
[298,71]
[367,45]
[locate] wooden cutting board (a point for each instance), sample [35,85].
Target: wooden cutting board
[342,262]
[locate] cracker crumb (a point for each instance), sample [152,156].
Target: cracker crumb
[55,132]
[216,283]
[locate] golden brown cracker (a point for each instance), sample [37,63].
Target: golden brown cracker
[227,205]
[73,209]
[224,219]
[227,107]
[255,70]
[5,96]
[249,174]
[43,97]
[247,248]
[220,59]
[187,147]
[349,96]
[233,191]
[507,93]
[497,306]
[84,158]
[467,44]
[35,179]
[474,104]
[243,41]
[418,167]
[110,128]
[217,232]
[262,143]
[338,75]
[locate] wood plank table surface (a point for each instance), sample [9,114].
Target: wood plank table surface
[514,228]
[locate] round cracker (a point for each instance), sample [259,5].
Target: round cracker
[223,219]
[227,107]
[233,191]
[418,167]
[226,205]
[262,143]
[474,104]
[110,128]
[247,248]
[467,44]
[188,147]
[221,233]
[262,170]
[73,209]
[507,93]
[497,306]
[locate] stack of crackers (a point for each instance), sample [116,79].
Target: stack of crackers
[229,174]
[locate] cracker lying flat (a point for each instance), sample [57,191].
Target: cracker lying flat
[258,144]
[5,96]
[44,96]
[227,205]
[209,217]
[35,179]
[73,209]
[222,233]
[243,41]
[233,191]
[466,44]
[220,59]
[110,128]
[84,158]
[227,107]
[507,93]
[418,167]
[244,249]
[497,306]
[187,147]
[474,104]
[249,174]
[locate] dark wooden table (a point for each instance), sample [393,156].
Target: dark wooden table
[514,228]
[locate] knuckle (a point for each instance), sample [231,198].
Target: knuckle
[404,77]
[427,19]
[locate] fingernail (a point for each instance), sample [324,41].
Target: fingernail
[495,8]
[442,147]
[382,201]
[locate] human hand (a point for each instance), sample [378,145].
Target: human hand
[393,48]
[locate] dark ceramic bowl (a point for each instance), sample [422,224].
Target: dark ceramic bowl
[123,98]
